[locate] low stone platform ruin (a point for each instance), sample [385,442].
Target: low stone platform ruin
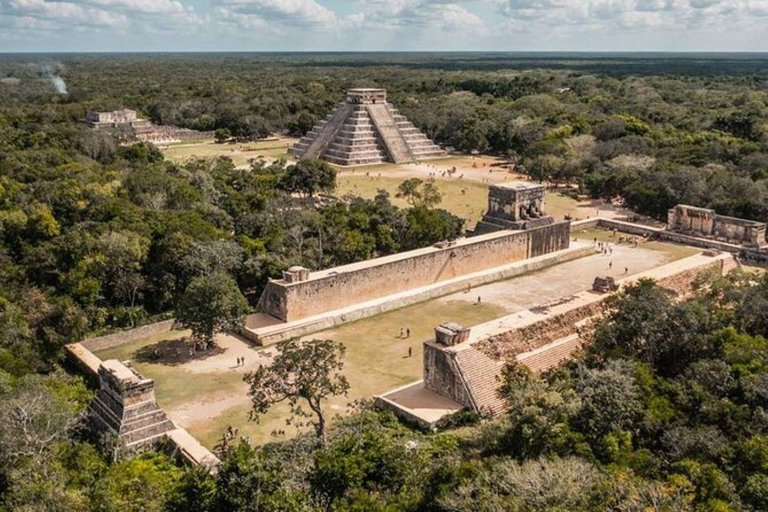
[365,130]
[125,405]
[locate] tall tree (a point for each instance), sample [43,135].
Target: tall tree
[212,304]
[302,373]
[309,176]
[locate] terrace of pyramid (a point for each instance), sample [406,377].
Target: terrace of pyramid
[365,130]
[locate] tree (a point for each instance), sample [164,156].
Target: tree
[302,373]
[223,135]
[308,177]
[419,194]
[212,304]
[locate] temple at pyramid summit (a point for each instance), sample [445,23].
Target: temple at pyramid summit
[364,130]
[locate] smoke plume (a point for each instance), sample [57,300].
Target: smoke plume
[52,72]
[59,84]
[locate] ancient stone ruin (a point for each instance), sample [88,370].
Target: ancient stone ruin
[363,130]
[604,284]
[516,205]
[705,222]
[125,405]
[115,119]
[136,129]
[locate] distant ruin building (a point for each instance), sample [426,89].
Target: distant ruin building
[705,222]
[141,130]
[364,130]
[115,119]
[125,405]
[515,205]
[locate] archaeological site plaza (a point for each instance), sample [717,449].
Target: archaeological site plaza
[538,281]
[365,129]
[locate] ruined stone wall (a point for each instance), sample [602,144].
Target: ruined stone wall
[508,345]
[353,284]
[524,339]
[122,337]
[441,375]
[705,222]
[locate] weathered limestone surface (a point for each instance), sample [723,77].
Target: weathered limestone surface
[347,285]
[276,331]
[705,222]
[469,372]
[125,405]
[364,130]
[516,205]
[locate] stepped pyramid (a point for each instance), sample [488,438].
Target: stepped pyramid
[363,130]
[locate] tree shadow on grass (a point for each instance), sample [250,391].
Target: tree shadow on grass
[174,352]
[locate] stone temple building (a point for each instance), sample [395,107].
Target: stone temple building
[125,405]
[516,205]
[705,222]
[364,130]
[115,119]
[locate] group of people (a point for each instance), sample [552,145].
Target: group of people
[241,361]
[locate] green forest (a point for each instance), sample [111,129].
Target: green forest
[666,410]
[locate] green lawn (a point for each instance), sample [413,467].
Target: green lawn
[376,361]
[468,205]
[239,153]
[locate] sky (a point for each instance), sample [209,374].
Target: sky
[383,25]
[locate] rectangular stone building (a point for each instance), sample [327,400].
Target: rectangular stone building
[705,222]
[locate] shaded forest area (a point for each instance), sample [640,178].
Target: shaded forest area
[96,237]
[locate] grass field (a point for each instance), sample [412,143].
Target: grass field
[376,361]
[465,198]
[240,154]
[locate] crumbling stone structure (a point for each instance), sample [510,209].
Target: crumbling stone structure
[466,366]
[604,284]
[125,405]
[141,129]
[115,119]
[364,130]
[705,222]
[515,205]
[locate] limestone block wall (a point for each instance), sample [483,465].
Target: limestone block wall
[442,376]
[119,338]
[508,345]
[348,285]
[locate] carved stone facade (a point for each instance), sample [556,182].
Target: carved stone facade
[705,222]
[125,405]
[516,205]
[364,130]
[116,118]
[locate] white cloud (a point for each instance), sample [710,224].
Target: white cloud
[65,11]
[143,6]
[436,14]
[295,12]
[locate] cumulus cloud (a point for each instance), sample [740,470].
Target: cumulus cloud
[305,13]
[396,24]
[435,14]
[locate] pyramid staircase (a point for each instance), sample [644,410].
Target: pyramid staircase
[365,130]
